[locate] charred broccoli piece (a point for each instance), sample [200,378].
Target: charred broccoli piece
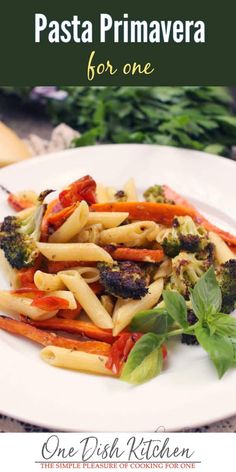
[190,339]
[156,194]
[184,235]
[18,238]
[186,271]
[171,244]
[20,250]
[124,279]
[226,277]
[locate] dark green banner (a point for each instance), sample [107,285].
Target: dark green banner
[156,42]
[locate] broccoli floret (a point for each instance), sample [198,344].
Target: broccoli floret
[18,238]
[186,271]
[184,235]
[156,194]
[171,244]
[10,224]
[124,279]
[227,280]
[20,250]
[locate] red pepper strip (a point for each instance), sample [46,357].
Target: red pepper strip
[25,276]
[50,303]
[164,351]
[82,189]
[70,314]
[133,254]
[96,287]
[18,203]
[200,219]
[171,195]
[120,351]
[28,292]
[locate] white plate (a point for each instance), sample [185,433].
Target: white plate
[188,393]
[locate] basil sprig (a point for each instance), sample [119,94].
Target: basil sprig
[215,331]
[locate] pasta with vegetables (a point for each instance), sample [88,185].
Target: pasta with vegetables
[102,278]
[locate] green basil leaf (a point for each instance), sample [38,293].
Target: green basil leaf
[224,325]
[152,321]
[206,296]
[145,359]
[219,348]
[176,306]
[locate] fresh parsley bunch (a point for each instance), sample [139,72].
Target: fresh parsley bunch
[194,117]
[215,331]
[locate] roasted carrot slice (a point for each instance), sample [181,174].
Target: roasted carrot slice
[58,218]
[82,328]
[199,218]
[51,339]
[132,254]
[45,223]
[160,212]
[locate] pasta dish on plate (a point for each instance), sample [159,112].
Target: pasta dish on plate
[103,279]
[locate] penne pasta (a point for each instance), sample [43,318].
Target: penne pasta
[89,274]
[134,234]
[86,298]
[14,305]
[125,310]
[50,282]
[72,225]
[75,360]
[164,270]
[130,190]
[74,252]
[222,251]
[90,234]
[101,194]
[107,219]
[108,303]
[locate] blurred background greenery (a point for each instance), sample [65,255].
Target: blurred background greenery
[201,118]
